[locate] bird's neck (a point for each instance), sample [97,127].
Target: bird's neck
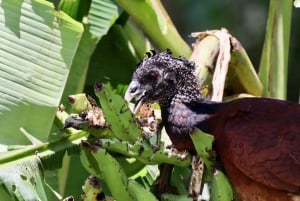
[210,111]
[187,113]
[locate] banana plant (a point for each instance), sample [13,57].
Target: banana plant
[50,51]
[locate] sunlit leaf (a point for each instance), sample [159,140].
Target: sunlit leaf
[22,180]
[274,62]
[102,15]
[37,48]
[221,189]
[154,20]
[297,3]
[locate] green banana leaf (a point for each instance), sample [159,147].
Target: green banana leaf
[273,67]
[44,54]
[154,20]
[37,47]
[101,15]
[24,183]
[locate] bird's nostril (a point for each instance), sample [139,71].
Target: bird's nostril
[133,89]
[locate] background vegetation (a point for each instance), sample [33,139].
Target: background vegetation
[49,52]
[245,20]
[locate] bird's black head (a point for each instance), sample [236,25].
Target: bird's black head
[159,77]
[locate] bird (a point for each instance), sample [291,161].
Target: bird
[257,140]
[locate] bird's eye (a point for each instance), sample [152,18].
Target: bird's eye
[153,76]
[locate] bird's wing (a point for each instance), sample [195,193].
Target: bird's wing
[262,139]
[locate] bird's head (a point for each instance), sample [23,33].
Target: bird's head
[158,78]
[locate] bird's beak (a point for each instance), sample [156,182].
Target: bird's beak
[135,91]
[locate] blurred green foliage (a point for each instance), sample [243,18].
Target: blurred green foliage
[246,20]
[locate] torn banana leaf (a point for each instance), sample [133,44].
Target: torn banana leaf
[117,113]
[203,144]
[221,189]
[22,181]
[100,163]
[146,154]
